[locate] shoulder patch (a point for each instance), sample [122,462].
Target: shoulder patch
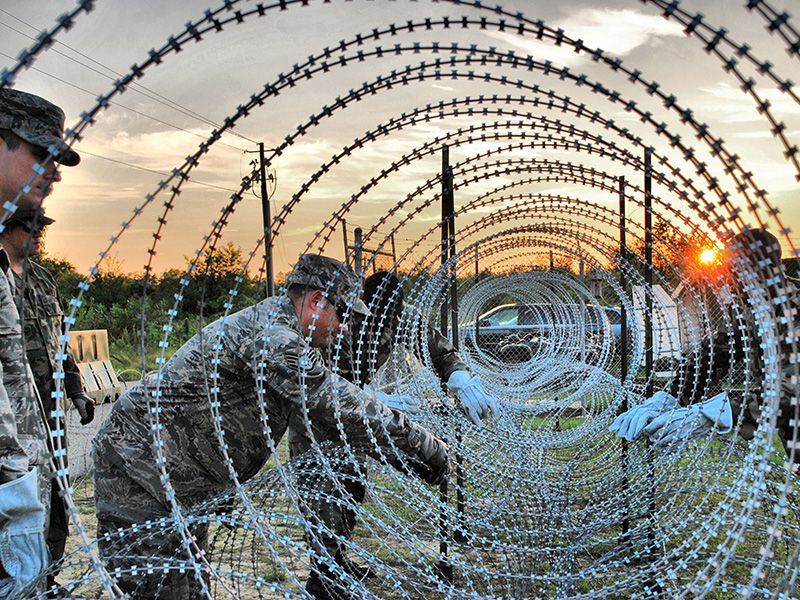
[308,360]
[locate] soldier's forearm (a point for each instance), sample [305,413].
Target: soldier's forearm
[73,383]
[13,460]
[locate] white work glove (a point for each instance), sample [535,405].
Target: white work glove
[23,551]
[692,422]
[477,403]
[402,402]
[630,424]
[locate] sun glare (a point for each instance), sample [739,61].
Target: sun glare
[708,256]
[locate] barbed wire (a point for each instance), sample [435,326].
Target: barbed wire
[538,505]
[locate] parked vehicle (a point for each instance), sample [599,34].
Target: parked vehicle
[508,329]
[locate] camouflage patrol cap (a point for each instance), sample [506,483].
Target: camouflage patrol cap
[331,276]
[36,121]
[28,217]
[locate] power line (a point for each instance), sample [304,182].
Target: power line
[152,94]
[162,173]
[133,110]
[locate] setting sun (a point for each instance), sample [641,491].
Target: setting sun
[708,256]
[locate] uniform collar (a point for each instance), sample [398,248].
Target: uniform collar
[287,307]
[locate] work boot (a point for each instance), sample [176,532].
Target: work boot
[54,589]
[321,588]
[356,571]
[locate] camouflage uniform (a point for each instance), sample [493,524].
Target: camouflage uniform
[20,435]
[361,353]
[41,124]
[370,339]
[31,434]
[708,371]
[128,487]
[41,308]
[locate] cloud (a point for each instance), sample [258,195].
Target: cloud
[738,107]
[615,31]
[159,150]
[619,31]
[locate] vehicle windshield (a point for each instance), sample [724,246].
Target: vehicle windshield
[550,315]
[503,317]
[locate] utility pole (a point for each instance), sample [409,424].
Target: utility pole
[267,218]
[358,258]
[346,246]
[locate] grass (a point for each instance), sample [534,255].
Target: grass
[245,552]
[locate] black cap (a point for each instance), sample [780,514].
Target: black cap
[29,217]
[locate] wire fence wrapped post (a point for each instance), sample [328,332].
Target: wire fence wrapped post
[649,348]
[623,354]
[445,568]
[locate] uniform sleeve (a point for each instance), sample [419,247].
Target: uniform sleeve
[700,371]
[13,460]
[703,374]
[301,378]
[446,359]
[73,384]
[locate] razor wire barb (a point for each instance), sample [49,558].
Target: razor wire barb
[545,486]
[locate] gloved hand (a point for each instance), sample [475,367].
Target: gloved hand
[23,551]
[477,403]
[629,425]
[402,402]
[428,460]
[85,407]
[692,422]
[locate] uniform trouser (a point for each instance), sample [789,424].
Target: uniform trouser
[120,502]
[326,506]
[59,527]
[58,522]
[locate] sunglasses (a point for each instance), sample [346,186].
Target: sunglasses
[40,154]
[340,311]
[28,227]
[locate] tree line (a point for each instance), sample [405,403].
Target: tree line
[128,305]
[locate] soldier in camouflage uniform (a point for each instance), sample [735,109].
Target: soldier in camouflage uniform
[29,126]
[708,370]
[370,340]
[41,308]
[711,374]
[358,355]
[251,372]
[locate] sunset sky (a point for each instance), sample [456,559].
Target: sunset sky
[149,130]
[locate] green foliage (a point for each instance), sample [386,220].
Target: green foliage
[134,310]
[673,250]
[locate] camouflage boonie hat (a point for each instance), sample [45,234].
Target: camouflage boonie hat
[28,217]
[36,121]
[330,276]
